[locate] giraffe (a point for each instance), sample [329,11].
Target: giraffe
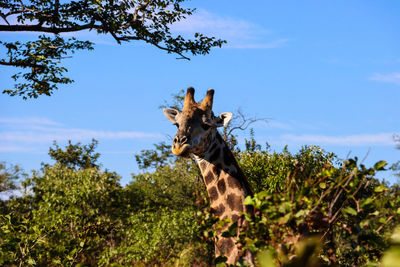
[227,187]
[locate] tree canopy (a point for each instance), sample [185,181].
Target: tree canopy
[142,20]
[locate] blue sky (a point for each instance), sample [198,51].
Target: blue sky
[323,72]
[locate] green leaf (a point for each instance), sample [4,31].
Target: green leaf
[265,259]
[31,261]
[382,220]
[248,201]
[322,185]
[375,213]
[262,194]
[220,259]
[349,210]
[232,230]
[366,202]
[300,213]
[284,219]
[380,188]
[380,165]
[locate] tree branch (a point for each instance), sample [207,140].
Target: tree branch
[140,8]
[244,122]
[40,28]
[128,38]
[22,64]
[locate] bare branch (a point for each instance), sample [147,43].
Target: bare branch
[242,122]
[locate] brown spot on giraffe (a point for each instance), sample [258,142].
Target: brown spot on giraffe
[202,164]
[233,182]
[209,177]
[235,202]
[212,192]
[235,218]
[221,186]
[219,210]
[216,170]
[225,245]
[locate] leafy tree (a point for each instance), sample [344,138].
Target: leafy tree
[8,176]
[160,225]
[177,101]
[76,156]
[396,166]
[268,171]
[70,211]
[126,20]
[77,214]
[160,156]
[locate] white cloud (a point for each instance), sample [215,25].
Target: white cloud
[204,21]
[28,121]
[4,148]
[380,139]
[26,134]
[294,124]
[393,77]
[279,125]
[269,45]
[70,134]
[239,33]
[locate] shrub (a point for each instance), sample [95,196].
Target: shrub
[351,212]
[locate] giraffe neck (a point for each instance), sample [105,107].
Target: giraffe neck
[227,188]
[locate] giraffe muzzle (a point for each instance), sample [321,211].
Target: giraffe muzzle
[180,146]
[181,150]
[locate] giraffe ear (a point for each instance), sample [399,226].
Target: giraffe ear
[223,119]
[171,113]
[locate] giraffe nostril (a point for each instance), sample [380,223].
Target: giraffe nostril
[183,140]
[175,140]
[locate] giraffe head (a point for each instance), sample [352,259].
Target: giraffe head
[196,124]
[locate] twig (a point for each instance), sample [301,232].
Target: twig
[366,155]
[244,122]
[387,220]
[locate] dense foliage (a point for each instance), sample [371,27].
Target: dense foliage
[127,20]
[311,208]
[349,211]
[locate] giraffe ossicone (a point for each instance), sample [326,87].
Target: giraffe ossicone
[197,136]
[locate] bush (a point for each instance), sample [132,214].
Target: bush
[351,212]
[268,171]
[310,208]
